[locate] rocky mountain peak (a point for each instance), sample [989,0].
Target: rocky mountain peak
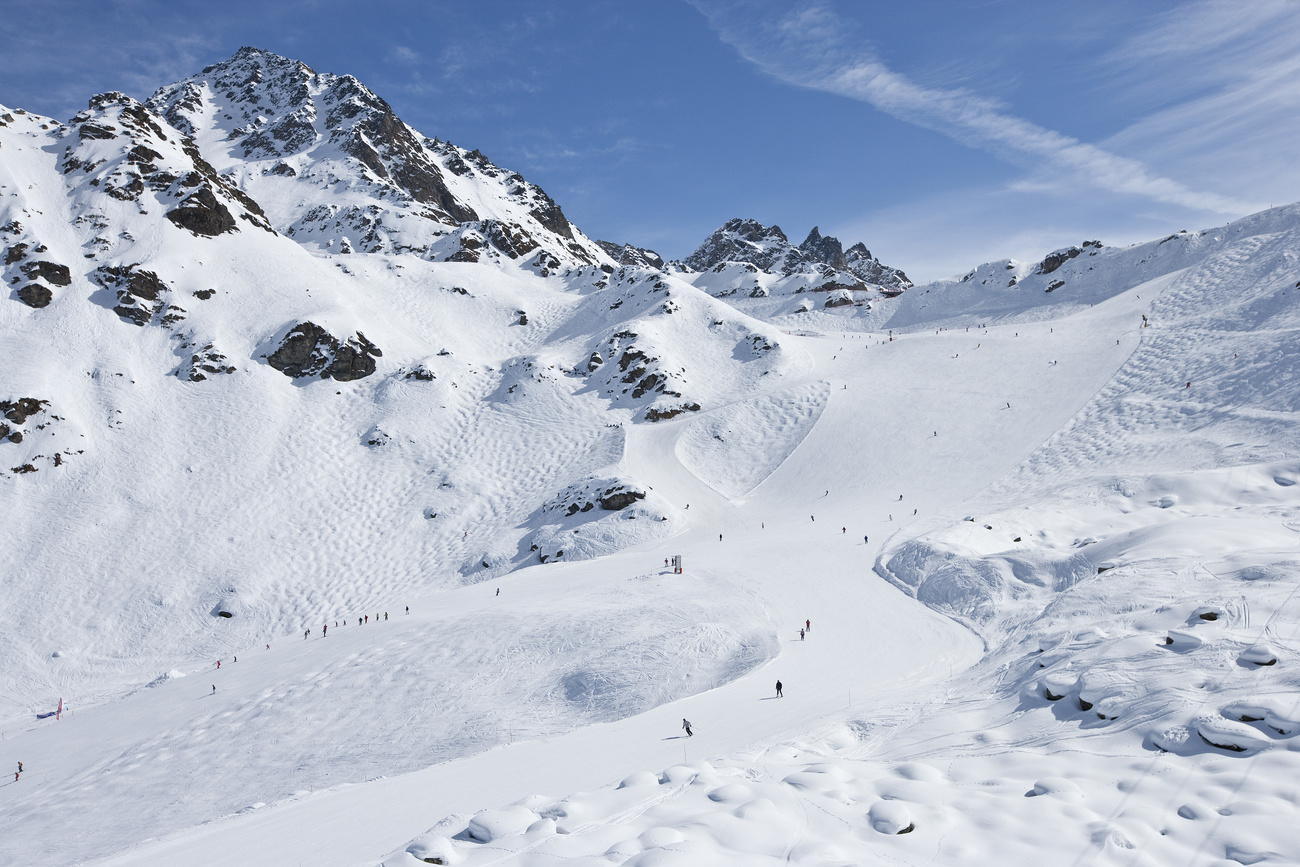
[742,240]
[768,249]
[336,167]
[824,249]
[626,254]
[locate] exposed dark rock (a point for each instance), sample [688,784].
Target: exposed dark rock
[653,414]
[309,350]
[202,214]
[18,411]
[51,272]
[550,216]
[25,468]
[626,254]
[423,374]
[1057,258]
[204,361]
[613,501]
[132,280]
[283,169]
[35,295]
[824,249]
[134,315]
[15,253]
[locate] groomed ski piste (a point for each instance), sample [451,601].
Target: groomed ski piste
[1048,543]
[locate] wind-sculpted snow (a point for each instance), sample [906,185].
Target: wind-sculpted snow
[735,447]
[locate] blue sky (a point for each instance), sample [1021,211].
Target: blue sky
[942,134]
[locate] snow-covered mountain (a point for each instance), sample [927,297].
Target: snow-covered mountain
[272,361]
[338,170]
[744,256]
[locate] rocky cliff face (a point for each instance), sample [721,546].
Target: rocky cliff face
[626,254]
[337,170]
[820,257]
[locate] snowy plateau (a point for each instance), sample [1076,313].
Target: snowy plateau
[273,361]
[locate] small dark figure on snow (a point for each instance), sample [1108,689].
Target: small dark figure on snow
[325,630]
[801,635]
[408,609]
[719,537]
[385,615]
[219,663]
[866,540]
[498,591]
[686,724]
[305,633]
[808,623]
[214,689]
[779,694]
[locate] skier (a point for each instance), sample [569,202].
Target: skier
[214,689]
[812,517]
[219,663]
[866,540]
[686,724]
[801,635]
[843,530]
[325,630]
[779,694]
[367,618]
[408,608]
[914,511]
[719,537]
[20,767]
[808,623]
[498,591]
[385,615]
[305,633]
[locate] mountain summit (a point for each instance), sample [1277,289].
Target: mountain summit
[768,248]
[337,169]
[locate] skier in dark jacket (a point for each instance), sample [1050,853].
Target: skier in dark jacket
[686,724]
[779,694]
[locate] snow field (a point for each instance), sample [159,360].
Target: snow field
[1087,709]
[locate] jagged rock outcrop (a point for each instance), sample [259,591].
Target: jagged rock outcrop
[141,294]
[345,173]
[118,147]
[823,248]
[740,240]
[821,256]
[310,350]
[1057,258]
[626,254]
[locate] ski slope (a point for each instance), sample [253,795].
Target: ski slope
[300,753]
[1045,535]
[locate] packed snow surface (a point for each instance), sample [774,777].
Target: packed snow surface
[1024,557]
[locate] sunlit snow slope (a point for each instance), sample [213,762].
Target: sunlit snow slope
[1045,536]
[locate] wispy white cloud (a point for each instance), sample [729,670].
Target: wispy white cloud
[1225,80]
[813,47]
